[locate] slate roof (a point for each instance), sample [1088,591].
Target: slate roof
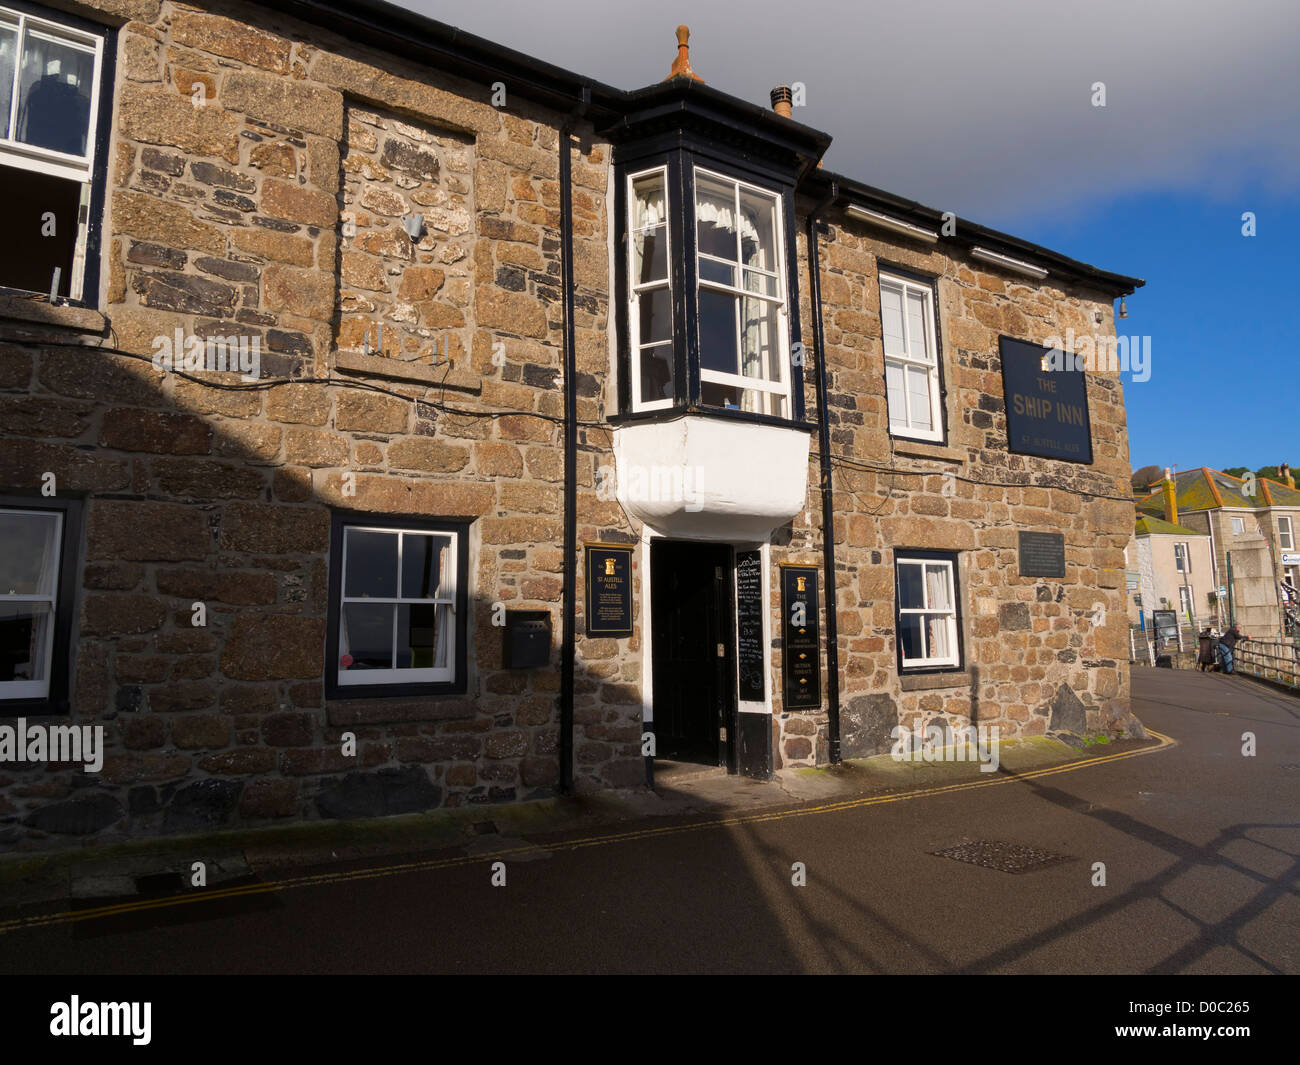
[1208,489]
[1147,524]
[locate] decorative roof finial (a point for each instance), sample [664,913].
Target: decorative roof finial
[682,64]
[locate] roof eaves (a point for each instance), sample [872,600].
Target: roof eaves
[970,233]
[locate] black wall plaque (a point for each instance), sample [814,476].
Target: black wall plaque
[749,625]
[1042,554]
[1047,409]
[801,658]
[609,590]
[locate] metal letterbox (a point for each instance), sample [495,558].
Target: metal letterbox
[527,639]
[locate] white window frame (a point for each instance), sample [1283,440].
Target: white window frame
[1238,525]
[951,613]
[395,676]
[38,689]
[634,290]
[902,427]
[1186,602]
[1182,557]
[78,168]
[1285,533]
[778,388]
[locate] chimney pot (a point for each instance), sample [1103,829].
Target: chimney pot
[682,64]
[782,100]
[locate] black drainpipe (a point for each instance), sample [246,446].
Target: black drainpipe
[828,500]
[568,638]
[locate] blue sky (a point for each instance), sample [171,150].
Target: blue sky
[987,110]
[1222,313]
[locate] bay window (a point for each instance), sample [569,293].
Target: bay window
[51,70]
[705,322]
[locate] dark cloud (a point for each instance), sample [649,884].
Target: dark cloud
[981,108]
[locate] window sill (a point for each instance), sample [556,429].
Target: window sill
[28,309]
[668,414]
[452,378]
[923,449]
[357,709]
[912,682]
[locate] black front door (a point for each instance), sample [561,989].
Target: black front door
[692,634]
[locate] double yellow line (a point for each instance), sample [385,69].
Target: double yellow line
[141,905]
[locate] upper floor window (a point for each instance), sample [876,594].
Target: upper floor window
[1285,539]
[50,76]
[1182,558]
[744,361]
[707,297]
[912,384]
[1238,525]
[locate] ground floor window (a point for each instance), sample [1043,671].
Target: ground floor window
[37,582]
[397,606]
[927,611]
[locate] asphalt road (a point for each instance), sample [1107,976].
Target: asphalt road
[1201,847]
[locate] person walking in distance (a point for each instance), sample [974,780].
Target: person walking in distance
[1228,644]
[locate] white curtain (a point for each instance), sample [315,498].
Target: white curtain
[724,217]
[938,634]
[649,207]
[446,611]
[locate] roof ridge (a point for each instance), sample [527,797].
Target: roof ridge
[1214,488]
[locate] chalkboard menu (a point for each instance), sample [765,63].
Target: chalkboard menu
[749,625]
[801,663]
[1042,554]
[1166,624]
[609,590]
[1047,404]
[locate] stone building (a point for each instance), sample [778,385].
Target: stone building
[1251,523]
[334,347]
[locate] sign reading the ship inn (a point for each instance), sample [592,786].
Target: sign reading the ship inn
[1047,409]
[800,668]
[609,590]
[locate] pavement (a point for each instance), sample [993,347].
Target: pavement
[1176,854]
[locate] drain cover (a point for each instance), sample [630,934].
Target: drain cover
[1004,857]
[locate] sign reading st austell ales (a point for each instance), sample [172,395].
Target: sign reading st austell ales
[1047,405]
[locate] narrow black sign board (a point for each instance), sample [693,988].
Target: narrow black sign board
[1047,408]
[609,590]
[749,625]
[801,661]
[1042,554]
